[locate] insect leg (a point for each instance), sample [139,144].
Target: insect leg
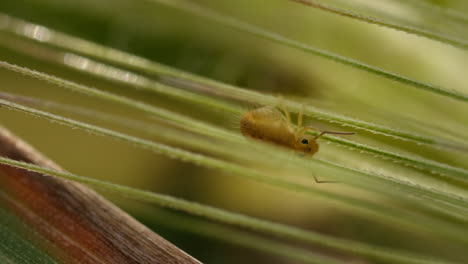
[285,112]
[299,118]
[319,181]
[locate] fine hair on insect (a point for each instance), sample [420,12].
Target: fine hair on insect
[272,124]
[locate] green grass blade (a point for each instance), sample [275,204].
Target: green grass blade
[416,162]
[109,55]
[372,20]
[447,203]
[445,12]
[164,114]
[142,83]
[200,11]
[401,186]
[451,205]
[238,237]
[236,219]
[396,216]
[199,127]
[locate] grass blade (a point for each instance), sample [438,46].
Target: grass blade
[406,218]
[235,219]
[110,55]
[198,127]
[459,43]
[200,11]
[440,201]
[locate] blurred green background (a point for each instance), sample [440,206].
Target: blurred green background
[197,45]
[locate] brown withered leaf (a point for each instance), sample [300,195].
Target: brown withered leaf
[81,226]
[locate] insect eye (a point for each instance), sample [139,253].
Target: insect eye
[305,141]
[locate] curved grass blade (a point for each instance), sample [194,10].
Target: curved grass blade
[142,83]
[372,20]
[388,214]
[444,12]
[164,114]
[192,8]
[236,219]
[198,127]
[63,41]
[416,162]
[453,206]
[220,232]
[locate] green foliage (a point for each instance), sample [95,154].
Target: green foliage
[16,246]
[403,176]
